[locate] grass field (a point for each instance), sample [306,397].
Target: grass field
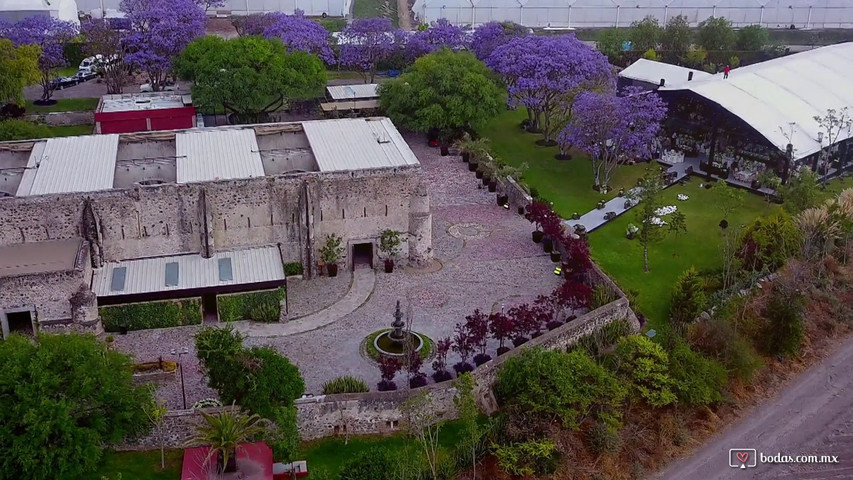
[64,105]
[375,8]
[139,466]
[71,130]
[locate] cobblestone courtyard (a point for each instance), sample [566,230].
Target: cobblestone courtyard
[486,261]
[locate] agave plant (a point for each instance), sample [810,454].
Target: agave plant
[225,432]
[819,230]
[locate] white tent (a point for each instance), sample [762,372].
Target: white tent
[653,72]
[332,8]
[620,13]
[14,10]
[779,98]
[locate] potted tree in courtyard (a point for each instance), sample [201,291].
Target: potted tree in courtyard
[225,433]
[331,253]
[439,365]
[389,244]
[462,345]
[501,327]
[477,325]
[388,368]
[472,150]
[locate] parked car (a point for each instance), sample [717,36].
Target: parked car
[59,83]
[85,75]
[168,87]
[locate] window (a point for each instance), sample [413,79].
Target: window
[225,272]
[172,274]
[119,276]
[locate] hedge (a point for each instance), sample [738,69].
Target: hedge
[141,316]
[256,306]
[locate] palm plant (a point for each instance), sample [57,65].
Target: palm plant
[475,150]
[225,433]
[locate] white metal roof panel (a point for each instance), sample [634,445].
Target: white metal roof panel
[206,155]
[71,164]
[353,92]
[780,97]
[148,275]
[652,72]
[357,144]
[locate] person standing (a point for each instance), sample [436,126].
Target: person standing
[726,71]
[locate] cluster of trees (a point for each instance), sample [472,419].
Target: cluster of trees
[714,43]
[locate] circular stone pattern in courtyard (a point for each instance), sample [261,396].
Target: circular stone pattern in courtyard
[381,343]
[470,231]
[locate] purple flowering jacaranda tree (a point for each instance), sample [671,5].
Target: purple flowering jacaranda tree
[299,33]
[160,29]
[544,74]
[489,36]
[613,129]
[49,34]
[367,42]
[441,34]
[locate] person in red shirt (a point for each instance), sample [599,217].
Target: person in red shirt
[726,71]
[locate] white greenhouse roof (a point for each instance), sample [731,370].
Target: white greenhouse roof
[207,155]
[187,272]
[357,143]
[312,8]
[652,72]
[781,97]
[353,92]
[70,164]
[14,10]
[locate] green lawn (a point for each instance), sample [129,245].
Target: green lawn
[566,183]
[71,130]
[375,8]
[139,466]
[64,105]
[622,259]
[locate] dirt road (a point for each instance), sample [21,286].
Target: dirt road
[811,416]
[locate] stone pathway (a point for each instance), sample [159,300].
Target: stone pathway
[363,282]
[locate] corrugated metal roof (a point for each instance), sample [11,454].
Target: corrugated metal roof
[71,164]
[148,275]
[779,98]
[205,155]
[350,92]
[652,72]
[357,143]
[39,257]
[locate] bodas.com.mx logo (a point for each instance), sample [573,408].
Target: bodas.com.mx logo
[742,458]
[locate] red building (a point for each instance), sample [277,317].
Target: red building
[139,112]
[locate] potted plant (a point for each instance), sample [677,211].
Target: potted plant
[520,208]
[556,256]
[331,253]
[547,244]
[472,150]
[433,137]
[503,199]
[389,244]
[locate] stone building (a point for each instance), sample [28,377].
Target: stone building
[114,218]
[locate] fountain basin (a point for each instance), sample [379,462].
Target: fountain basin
[390,348]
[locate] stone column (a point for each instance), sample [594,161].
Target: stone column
[420,227]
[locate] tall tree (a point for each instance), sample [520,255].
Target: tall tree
[62,399]
[445,90]
[835,125]
[651,226]
[677,36]
[613,129]
[489,36]
[20,68]
[367,42]
[249,76]
[610,42]
[716,33]
[687,300]
[50,35]
[645,34]
[545,74]
[102,39]
[300,34]
[752,38]
[441,34]
[727,199]
[160,30]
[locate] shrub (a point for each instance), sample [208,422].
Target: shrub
[372,464]
[768,242]
[481,358]
[717,339]
[596,342]
[345,384]
[785,330]
[262,306]
[601,296]
[697,381]
[602,439]
[22,130]
[567,386]
[293,268]
[142,316]
[534,457]
[644,365]
[687,301]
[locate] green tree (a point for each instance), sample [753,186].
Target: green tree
[652,229]
[62,399]
[727,199]
[225,432]
[801,192]
[687,301]
[14,129]
[752,38]
[644,365]
[716,33]
[20,68]
[645,34]
[696,57]
[609,42]
[650,54]
[677,36]
[472,435]
[249,76]
[769,241]
[445,90]
[156,413]
[697,381]
[785,328]
[372,464]
[567,386]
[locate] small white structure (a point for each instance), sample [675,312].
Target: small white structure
[14,10]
